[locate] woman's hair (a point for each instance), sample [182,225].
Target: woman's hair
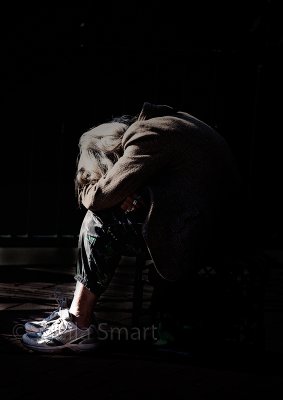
[100,148]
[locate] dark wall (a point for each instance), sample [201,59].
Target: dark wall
[64,70]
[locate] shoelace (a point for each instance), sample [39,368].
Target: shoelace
[60,325]
[62,304]
[60,298]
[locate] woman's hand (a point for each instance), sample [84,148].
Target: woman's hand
[85,197]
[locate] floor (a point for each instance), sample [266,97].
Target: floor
[127,368]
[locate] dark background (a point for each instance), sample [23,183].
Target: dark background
[64,70]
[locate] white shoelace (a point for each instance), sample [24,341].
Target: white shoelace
[59,327]
[62,304]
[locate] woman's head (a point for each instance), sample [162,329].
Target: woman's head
[100,148]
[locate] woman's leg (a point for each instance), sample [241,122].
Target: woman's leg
[99,253]
[82,306]
[103,239]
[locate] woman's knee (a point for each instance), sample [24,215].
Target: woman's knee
[90,222]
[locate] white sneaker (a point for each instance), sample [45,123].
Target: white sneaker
[62,334]
[40,326]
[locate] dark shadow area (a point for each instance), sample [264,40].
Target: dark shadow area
[66,69]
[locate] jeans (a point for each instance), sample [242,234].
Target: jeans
[104,237]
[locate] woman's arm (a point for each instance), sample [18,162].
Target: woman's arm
[146,152]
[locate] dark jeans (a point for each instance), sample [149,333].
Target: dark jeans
[104,237]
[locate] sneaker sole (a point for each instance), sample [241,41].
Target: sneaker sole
[77,348]
[33,330]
